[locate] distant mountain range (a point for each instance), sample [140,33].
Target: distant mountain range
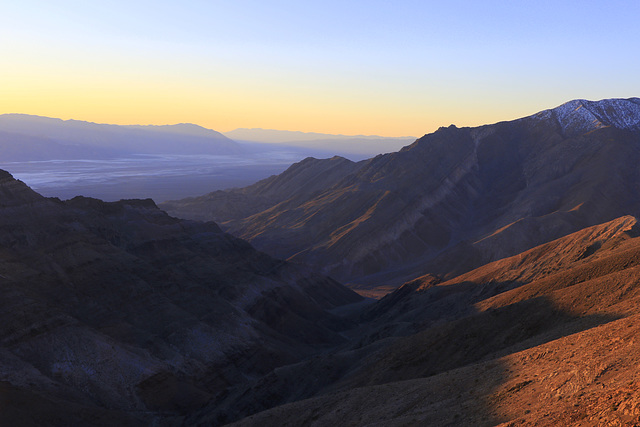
[452,201]
[25,137]
[65,158]
[355,147]
[285,136]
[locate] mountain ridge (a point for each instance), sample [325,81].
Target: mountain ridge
[118,139]
[452,188]
[284,136]
[36,117]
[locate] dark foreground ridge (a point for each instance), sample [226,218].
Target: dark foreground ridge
[116,313]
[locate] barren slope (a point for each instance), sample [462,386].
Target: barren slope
[588,378]
[455,199]
[300,182]
[118,313]
[546,337]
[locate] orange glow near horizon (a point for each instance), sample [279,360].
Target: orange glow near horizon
[159,92]
[139,102]
[338,67]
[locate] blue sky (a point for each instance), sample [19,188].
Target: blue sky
[374,67]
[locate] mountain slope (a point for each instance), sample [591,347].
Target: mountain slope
[459,198]
[118,311]
[300,182]
[542,338]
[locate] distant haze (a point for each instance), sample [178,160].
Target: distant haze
[278,136]
[353,147]
[105,139]
[66,158]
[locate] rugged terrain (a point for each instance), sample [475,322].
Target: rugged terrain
[118,313]
[547,337]
[520,244]
[452,201]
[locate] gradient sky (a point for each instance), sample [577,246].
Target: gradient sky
[353,67]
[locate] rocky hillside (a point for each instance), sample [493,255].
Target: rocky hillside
[299,183]
[546,337]
[116,313]
[452,201]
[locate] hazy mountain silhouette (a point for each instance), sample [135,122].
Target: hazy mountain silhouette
[49,138]
[16,147]
[354,147]
[64,158]
[453,200]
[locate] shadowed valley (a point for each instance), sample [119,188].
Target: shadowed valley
[119,306]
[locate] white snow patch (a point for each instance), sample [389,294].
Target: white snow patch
[580,116]
[621,113]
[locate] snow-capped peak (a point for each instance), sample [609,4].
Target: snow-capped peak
[581,116]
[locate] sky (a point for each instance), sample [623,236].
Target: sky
[390,68]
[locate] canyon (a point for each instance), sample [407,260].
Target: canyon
[479,276]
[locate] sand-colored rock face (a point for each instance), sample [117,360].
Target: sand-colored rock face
[452,201]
